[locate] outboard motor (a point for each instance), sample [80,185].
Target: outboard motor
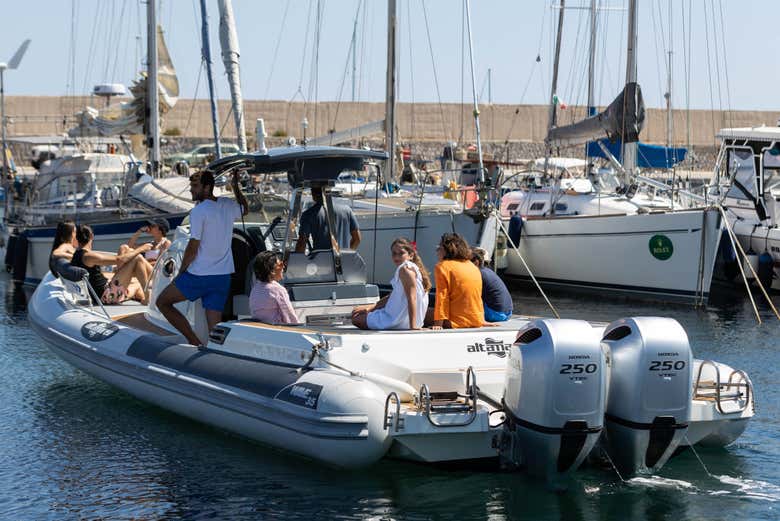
[649,400]
[554,396]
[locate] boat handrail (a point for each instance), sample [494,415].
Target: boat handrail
[388,422]
[425,403]
[717,386]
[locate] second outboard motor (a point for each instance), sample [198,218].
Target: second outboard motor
[649,401]
[554,396]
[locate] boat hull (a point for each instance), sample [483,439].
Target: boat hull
[344,431]
[669,255]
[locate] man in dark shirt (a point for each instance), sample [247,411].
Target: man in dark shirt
[315,225]
[495,296]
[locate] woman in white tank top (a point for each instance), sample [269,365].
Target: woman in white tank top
[406,305]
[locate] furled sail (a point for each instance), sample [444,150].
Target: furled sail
[622,120]
[129,117]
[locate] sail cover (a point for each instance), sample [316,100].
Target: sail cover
[648,156]
[129,117]
[622,120]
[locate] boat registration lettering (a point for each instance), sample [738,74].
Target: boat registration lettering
[661,247]
[304,394]
[98,331]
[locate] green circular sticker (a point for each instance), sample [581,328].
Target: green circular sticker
[661,247]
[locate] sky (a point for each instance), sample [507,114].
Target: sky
[723,51]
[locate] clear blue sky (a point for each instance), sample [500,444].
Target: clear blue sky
[732,51]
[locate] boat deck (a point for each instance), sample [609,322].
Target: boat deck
[138,320]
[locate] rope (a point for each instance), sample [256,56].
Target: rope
[194,99]
[276,50]
[737,245]
[435,74]
[517,250]
[350,50]
[739,264]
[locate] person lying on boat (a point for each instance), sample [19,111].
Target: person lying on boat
[314,226]
[268,300]
[407,303]
[458,286]
[495,296]
[126,283]
[65,242]
[158,228]
[208,259]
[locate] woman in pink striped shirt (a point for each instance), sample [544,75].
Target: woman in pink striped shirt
[269,301]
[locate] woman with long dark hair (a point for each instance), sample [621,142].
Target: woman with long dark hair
[406,305]
[64,240]
[127,282]
[458,286]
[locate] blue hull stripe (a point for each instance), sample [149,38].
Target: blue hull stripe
[106,227]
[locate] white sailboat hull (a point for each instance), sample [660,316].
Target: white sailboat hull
[616,252]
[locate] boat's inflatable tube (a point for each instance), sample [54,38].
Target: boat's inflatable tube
[324,414]
[648,406]
[554,396]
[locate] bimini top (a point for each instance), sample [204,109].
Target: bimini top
[302,164]
[762,133]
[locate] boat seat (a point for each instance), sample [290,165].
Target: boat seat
[74,279]
[318,266]
[241,300]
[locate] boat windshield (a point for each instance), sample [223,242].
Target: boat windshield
[771,162]
[741,169]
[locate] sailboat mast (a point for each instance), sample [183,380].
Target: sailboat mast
[390,101]
[474,95]
[230,53]
[553,120]
[354,57]
[669,120]
[553,115]
[206,54]
[592,61]
[630,149]
[152,92]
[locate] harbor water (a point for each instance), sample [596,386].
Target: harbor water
[75,448]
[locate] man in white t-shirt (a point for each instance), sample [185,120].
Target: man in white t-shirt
[208,260]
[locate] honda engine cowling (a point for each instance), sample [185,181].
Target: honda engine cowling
[649,400]
[554,396]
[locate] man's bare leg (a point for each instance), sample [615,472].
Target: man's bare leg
[165,301]
[213,318]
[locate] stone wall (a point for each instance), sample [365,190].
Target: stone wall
[513,131]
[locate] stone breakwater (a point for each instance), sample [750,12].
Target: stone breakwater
[417,123]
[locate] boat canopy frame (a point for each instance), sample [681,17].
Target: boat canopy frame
[306,167]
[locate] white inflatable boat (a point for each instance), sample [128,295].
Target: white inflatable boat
[541,394]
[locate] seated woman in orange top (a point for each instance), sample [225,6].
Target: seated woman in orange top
[458,286]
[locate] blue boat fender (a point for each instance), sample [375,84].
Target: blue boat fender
[515,229]
[766,269]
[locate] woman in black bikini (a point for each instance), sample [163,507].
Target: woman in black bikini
[127,282]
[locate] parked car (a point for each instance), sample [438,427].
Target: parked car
[202,154]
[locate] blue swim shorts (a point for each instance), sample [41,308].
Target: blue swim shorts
[212,289]
[496,316]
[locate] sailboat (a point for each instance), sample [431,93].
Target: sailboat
[607,241]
